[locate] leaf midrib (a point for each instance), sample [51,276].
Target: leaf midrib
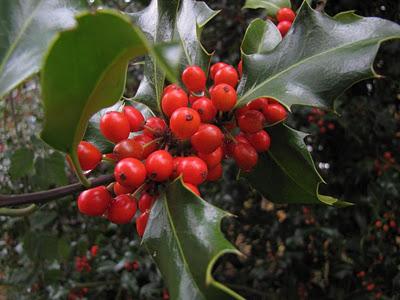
[262,84]
[19,36]
[185,264]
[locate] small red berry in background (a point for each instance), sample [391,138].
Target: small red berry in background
[224,97]
[128,148]
[165,294]
[215,68]
[146,202]
[215,173]
[115,126]
[193,188]
[130,172]
[154,127]
[94,201]
[148,144]
[370,287]
[251,121]
[135,118]
[94,250]
[205,108]
[260,140]
[193,170]
[260,104]
[141,222]
[207,139]
[194,78]
[88,155]
[245,156]
[378,224]
[284,27]
[240,68]
[393,224]
[159,165]
[184,122]
[212,159]
[227,75]
[122,209]
[361,274]
[275,113]
[285,14]
[172,100]
[121,190]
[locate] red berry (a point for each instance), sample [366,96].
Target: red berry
[240,68]
[121,190]
[224,97]
[146,202]
[194,79]
[242,138]
[172,100]
[135,118]
[260,104]
[392,224]
[141,222]
[261,140]
[275,113]
[130,172]
[245,156]
[155,127]
[378,224]
[207,139]
[193,98]
[361,274]
[128,148]
[193,170]
[285,14]
[159,165]
[251,121]
[148,144]
[215,173]
[387,155]
[115,126]
[94,201]
[193,188]
[212,159]
[370,287]
[122,209]
[227,75]
[284,27]
[205,108]
[184,122]
[216,67]
[93,250]
[176,162]
[170,87]
[89,156]
[241,111]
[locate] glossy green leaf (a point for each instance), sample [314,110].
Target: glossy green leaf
[286,173]
[271,6]
[21,163]
[50,171]
[85,71]
[261,37]
[26,29]
[318,59]
[179,22]
[184,237]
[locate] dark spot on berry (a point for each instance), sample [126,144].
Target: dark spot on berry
[200,111]
[226,89]
[153,175]
[189,117]
[204,175]
[122,177]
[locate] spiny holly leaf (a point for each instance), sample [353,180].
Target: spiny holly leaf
[184,237]
[271,6]
[25,32]
[286,173]
[179,21]
[318,59]
[85,71]
[261,37]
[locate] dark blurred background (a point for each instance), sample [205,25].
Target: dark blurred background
[292,252]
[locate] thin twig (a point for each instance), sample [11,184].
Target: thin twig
[45,196]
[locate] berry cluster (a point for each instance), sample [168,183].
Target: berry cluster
[199,129]
[285,18]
